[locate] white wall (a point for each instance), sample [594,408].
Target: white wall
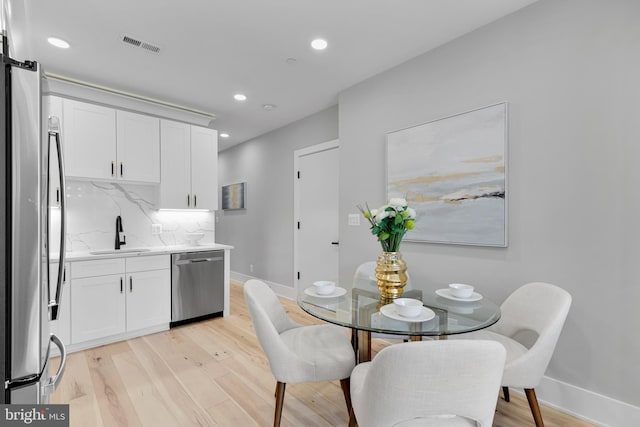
[262,234]
[569,71]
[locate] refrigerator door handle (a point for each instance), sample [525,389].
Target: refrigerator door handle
[52,383]
[54,131]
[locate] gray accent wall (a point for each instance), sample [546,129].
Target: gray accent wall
[262,234]
[569,70]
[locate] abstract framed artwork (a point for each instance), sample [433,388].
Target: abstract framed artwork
[453,172]
[234,196]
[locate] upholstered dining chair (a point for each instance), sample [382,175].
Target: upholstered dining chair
[428,383]
[532,319]
[297,353]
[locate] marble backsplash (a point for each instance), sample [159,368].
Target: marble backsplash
[94,206]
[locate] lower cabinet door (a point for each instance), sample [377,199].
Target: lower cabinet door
[148,299]
[97,307]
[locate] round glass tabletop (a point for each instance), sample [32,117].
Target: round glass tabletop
[362,309]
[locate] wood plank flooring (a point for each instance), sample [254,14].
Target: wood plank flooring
[214,373]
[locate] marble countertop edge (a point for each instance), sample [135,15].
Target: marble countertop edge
[148,251]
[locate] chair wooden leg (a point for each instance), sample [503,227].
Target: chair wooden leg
[535,408]
[345,383]
[279,403]
[505,393]
[352,419]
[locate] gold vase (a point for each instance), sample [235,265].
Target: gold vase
[391,273]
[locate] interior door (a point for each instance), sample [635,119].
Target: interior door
[317,248]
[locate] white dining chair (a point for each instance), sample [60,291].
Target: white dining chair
[529,328]
[297,353]
[429,383]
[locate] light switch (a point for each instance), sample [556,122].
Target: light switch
[354,219]
[156,229]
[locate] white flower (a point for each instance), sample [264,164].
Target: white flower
[397,202]
[381,215]
[412,213]
[373,212]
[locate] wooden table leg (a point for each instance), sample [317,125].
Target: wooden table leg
[363,350]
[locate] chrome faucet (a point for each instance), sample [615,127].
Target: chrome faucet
[118,231]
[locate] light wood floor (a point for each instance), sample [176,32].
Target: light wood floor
[214,373]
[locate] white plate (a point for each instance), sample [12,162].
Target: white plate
[337,292]
[446,293]
[389,310]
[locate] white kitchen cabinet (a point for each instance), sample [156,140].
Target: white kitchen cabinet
[89,140]
[175,165]
[119,295]
[106,144]
[61,327]
[98,308]
[98,299]
[148,291]
[138,147]
[189,166]
[204,168]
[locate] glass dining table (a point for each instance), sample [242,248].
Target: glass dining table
[364,312]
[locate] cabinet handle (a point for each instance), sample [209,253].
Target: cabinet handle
[188,201]
[130,284]
[58,195]
[121,285]
[113,164]
[120,169]
[195,201]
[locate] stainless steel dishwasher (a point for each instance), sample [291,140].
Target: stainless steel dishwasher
[197,286]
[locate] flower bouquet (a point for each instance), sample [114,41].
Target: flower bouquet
[389,224]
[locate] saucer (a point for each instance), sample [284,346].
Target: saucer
[446,293]
[337,292]
[389,310]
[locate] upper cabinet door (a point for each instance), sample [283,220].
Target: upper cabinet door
[175,188]
[138,147]
[89,140]
[204,168]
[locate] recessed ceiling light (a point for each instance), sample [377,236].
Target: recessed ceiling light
[224,135]
[269,107]
[240,97]
[58,42]
[319,44]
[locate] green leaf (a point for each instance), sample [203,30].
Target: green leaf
[383,236]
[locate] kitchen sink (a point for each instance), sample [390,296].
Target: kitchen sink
[119,251]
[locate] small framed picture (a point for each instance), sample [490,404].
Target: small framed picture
[234,196]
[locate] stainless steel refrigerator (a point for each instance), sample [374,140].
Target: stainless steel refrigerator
[27,300]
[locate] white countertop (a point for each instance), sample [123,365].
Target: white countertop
[157,250]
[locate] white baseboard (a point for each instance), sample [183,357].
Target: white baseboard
[281,290]
[590,406]
[578,402]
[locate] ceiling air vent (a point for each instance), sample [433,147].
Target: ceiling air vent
[138,43]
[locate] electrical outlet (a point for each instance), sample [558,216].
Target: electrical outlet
[156,229]
[250,268]
[354,219]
